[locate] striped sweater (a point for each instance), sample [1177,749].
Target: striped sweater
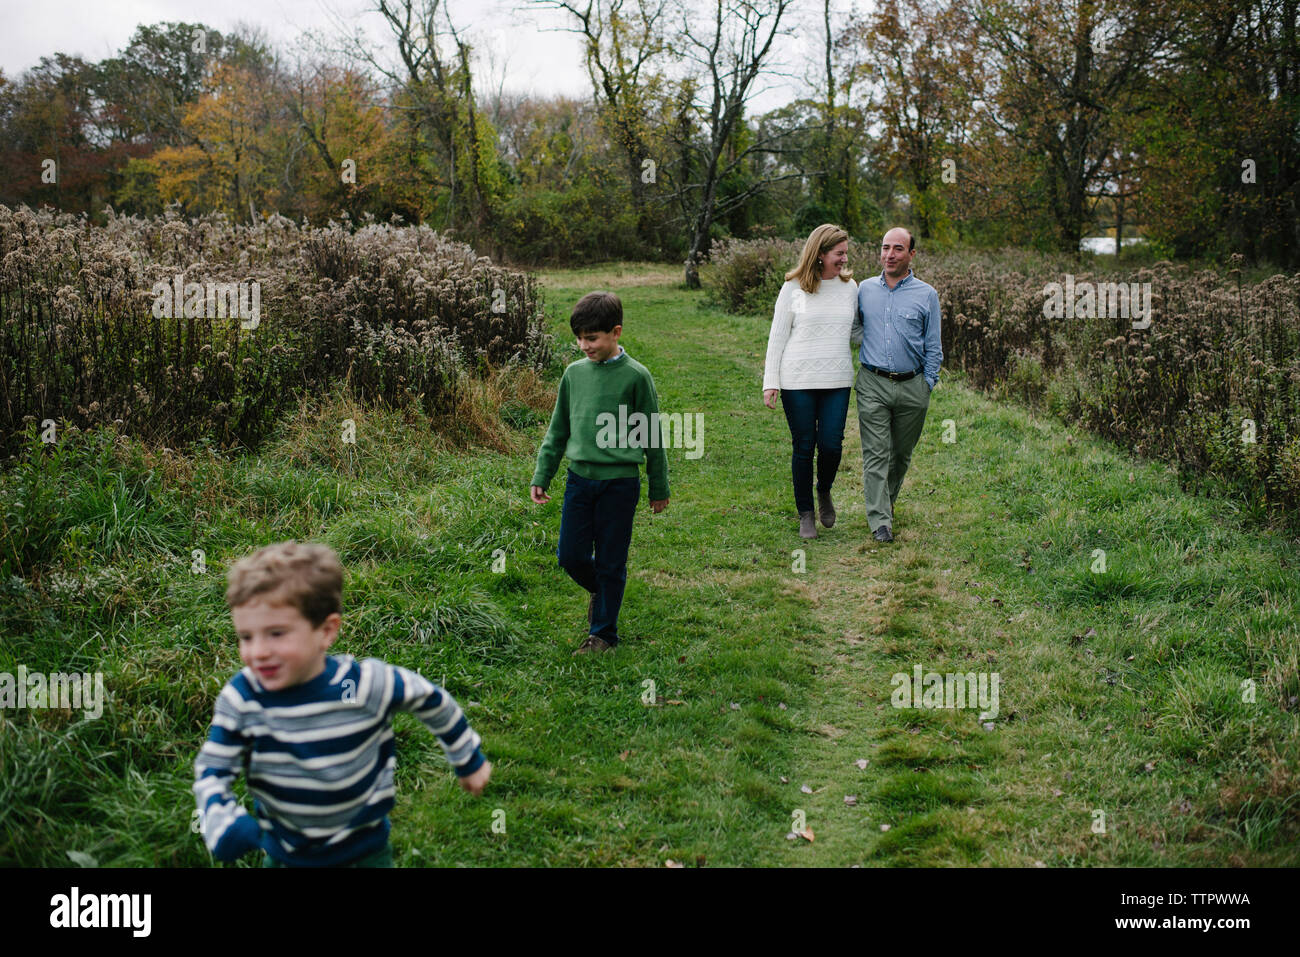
[319,759]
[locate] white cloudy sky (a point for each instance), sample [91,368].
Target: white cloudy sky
[521,37]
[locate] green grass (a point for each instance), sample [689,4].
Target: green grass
[783,676]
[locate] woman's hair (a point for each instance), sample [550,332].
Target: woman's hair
[809,271]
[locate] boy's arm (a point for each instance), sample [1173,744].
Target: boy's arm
[656,459]
[557,437]
[228,829]
[440,714]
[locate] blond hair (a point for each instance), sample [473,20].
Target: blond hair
[821,241]
[306,577]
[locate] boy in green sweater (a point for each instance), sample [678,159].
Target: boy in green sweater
[606,421]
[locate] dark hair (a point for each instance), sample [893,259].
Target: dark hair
[596,312]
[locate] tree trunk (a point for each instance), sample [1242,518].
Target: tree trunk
[1119,225]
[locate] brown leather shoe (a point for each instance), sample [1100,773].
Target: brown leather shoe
[826,509]
[807,525]
[592,644]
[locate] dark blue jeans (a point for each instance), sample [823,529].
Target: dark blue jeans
[595,533]
[816,419]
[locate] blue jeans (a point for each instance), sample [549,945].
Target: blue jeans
[595,533]
[816,419]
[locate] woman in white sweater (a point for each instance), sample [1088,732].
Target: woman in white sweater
[810,365]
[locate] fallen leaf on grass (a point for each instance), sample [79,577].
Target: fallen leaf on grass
[671,863]
[784,779]
[806,834]
[861,763]
[884,827]
[623,755]
[805,789]
[851,800]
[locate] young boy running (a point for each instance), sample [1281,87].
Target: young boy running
[312,731]
[599,398]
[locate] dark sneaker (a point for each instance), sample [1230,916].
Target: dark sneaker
[883,534]
[826,509]
[807,525]
[592,644]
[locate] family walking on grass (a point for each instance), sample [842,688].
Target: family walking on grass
[313,731]
[821,315]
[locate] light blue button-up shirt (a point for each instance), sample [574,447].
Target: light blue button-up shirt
[899,328]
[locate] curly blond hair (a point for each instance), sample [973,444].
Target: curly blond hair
[306,577]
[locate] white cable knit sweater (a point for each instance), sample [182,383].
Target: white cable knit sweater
[808,347]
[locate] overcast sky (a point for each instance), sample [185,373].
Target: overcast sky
[514,36]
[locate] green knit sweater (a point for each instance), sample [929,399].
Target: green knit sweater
[600,439]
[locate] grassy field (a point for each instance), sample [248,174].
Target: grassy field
[1123,734]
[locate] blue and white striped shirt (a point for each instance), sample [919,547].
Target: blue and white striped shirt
[320,758]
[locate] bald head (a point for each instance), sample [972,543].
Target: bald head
[896,252]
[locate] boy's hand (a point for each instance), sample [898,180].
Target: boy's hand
[769,397]
[539,495]
[658,505]
[474,783]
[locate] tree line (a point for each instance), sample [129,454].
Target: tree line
[985,122]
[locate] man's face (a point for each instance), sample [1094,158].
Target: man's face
[895,256]
[280,644]
[599,346]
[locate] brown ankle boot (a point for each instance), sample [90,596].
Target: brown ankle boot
[826,508]
[807,525]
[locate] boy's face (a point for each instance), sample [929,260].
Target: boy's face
[280,644]
[600,346]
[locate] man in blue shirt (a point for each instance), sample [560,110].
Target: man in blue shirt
[896,333]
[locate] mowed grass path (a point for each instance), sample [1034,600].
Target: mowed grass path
[1121,737]
[1121,695]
